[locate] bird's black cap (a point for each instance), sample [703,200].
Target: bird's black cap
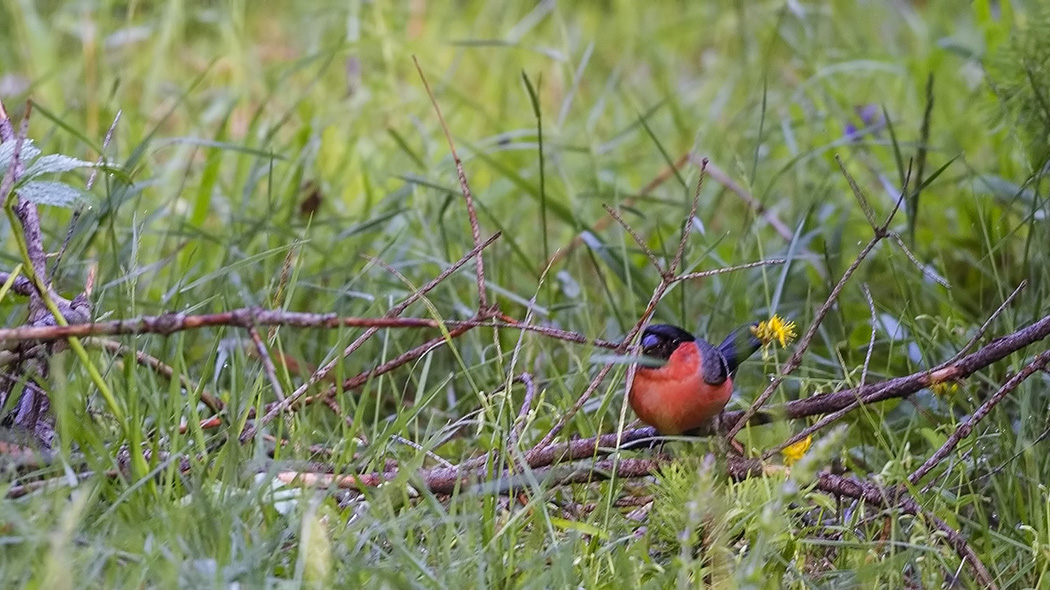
[660,340]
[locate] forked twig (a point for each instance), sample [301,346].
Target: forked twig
[667,277]
[323,372]
[881,232]
[963,430]
[833,406]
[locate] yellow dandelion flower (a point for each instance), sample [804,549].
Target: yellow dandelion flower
[793,453]
[775,329]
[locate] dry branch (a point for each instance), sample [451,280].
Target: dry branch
[468,196]
[449,480]
[835,405]
[966,427]
[881,232]
[849,487]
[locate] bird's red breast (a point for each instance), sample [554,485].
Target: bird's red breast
[674,398]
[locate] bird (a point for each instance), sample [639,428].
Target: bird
[685,382]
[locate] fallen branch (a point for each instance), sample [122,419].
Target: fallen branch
[795,361]
[323,372]
[835,405]
[966,427]
[449,480]
[849,487]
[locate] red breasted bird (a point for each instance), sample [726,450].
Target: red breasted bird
[691,381]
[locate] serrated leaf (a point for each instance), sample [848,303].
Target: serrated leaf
[7,151]
[55,163]
[57,194]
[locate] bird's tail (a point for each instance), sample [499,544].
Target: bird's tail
[739,345]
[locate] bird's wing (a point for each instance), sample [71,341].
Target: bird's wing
[713,366]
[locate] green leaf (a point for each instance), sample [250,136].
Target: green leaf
[7,151]
[580,527]
[55,163]
[58,194]
[314,565]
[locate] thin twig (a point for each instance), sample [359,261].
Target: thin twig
[984,327]
[687,227]
[964,429]
[448,480]
[468,197]
[268,368]
[924,269]
[834,406]
[171,323]
[998,469]
[717,271]
[881,232]
[803,344]
[526,407]
[411,443]
[719,176]
[157,366]
[871,342]
[634,235]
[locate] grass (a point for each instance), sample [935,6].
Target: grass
[266,154]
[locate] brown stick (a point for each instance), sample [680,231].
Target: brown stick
[719,176]
[158,366]
[268,368]
[966,427]
[448,480]
[835,405]
[881,232]
[170,323]
[468,196]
